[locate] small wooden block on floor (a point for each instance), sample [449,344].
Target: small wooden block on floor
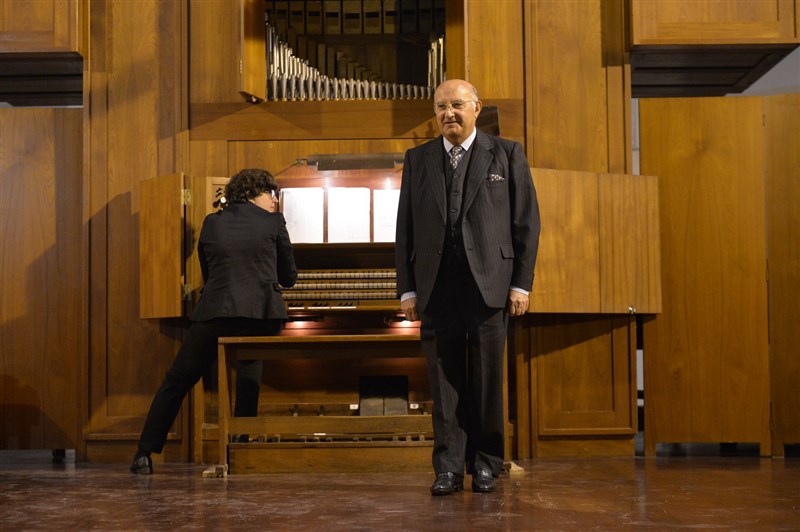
[216,471]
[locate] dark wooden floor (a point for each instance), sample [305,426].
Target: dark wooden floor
[677,489]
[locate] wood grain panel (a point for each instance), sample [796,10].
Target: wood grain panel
[630,266]
[331,457]
[161,222]
[706,355]
[566,278]
[314,120]
[521,409]
[388,119]
[713,21]
[493,78]
[456,42]
[253,50]
[578,93]
[43,320]
[586,375]
[783,215]
[128,355]
[42,26]
[214,34]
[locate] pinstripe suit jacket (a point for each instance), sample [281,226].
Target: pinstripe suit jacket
[245,256]
[500,219]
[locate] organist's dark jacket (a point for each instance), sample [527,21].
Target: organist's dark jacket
[245,254]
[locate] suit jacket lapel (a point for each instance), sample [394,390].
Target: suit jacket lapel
[479,161]
[434,174]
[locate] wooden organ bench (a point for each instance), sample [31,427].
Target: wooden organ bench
[291,443]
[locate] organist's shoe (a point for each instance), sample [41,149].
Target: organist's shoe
[142,465]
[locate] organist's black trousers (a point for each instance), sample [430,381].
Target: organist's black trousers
[194,358]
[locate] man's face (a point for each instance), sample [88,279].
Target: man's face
[456,110]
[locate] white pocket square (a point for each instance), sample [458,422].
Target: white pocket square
[495,177]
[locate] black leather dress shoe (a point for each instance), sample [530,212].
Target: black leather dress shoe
[447,483]
[483,481]
[142,465]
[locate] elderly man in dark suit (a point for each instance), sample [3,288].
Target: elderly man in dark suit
[466,243]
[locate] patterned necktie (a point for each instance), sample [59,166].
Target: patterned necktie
[456,152]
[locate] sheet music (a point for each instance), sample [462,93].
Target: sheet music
[348,214]
[385,214]
[303,209]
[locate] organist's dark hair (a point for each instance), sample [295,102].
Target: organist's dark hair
[249,184]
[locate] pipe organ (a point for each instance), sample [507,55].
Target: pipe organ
[300,68]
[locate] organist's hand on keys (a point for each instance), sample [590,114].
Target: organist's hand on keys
[409,308]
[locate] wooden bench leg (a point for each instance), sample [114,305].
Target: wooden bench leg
[224,371]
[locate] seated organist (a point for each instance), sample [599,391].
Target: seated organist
[245,256]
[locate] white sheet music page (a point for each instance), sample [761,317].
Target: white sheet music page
[303,209]
[348,214]
[385,214]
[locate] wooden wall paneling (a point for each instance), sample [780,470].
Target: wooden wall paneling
[586,382]
[253,51]
[42,26]
[566,277]
[706,355]
[97,125]
[618,82]
[495,78]
[455,43]
[128,356]
[520,408]
[713,21]
[783,251]
[173,90]
[578,94]
[630,266]
[208,158]
[43,322]
[214,34]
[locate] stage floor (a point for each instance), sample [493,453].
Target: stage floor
[677,489]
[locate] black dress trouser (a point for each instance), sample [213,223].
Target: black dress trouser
[464,341]
[194,358]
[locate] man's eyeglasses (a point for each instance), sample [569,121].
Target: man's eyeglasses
[455,105]
[274,193]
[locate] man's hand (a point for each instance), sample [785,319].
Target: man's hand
[409,308]
[517,303]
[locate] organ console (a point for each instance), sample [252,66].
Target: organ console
[345,384]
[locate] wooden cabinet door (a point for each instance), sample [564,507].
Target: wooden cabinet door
[713,22]
[599,243]
[161,260]
[227,60]
[706,356]
[586,375]
[567,277]
[629,265]
[41,26]
[172,213]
